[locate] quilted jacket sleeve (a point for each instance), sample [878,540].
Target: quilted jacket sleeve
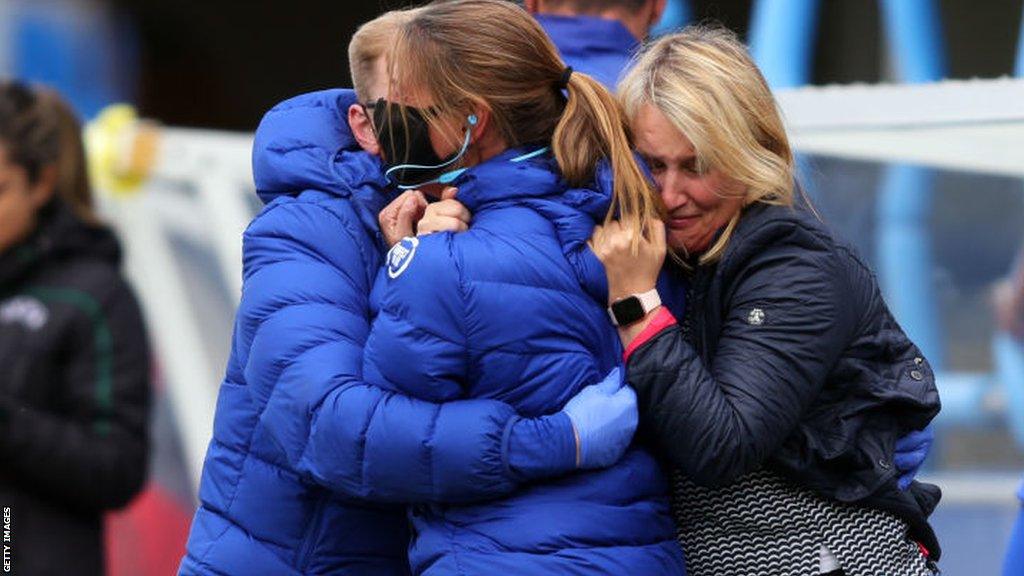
[721,420]
[305,309]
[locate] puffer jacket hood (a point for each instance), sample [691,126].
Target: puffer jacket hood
[526,175]
[599,47]
[305,143]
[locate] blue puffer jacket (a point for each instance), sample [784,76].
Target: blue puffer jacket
[512,310]
[301,444]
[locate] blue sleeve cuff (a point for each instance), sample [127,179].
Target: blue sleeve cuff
[541,448]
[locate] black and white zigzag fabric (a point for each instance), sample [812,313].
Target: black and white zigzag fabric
[764,526]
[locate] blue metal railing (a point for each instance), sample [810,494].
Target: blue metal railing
[782,34]
[1019,68]
[915,47]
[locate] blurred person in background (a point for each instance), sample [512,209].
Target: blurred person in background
[597,37]
[1008,305]
[1008,301]
[74,358]
[310,467]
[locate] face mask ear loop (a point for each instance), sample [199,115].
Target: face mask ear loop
[442,179]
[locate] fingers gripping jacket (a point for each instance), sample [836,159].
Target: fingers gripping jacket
[604,418]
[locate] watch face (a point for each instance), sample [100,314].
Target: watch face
[628,310]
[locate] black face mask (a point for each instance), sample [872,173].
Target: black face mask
[405,142]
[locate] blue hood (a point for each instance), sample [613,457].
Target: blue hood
[305,143]
[599,47]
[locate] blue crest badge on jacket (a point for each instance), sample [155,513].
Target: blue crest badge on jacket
[401,255]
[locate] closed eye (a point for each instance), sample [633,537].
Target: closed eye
[654,164]
[693,167]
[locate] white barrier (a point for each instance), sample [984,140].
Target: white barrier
[199,190]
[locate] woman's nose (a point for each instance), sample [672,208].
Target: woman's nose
[673,189]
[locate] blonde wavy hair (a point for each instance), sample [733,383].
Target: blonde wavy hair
[707,85]
[491,54]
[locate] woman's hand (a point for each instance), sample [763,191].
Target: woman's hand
[445,215]
[629,273]
[398,219]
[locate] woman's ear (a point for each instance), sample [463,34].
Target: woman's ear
[43,189]
[486,139]
[362,128]
[479,123]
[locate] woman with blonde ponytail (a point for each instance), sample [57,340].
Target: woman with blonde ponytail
[514,308]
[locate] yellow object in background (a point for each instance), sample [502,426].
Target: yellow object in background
[121,149]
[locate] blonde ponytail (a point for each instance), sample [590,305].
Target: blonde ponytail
[593,127]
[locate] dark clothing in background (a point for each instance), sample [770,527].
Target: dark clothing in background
[74,394]
[795,362]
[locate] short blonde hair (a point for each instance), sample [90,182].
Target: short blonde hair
[707,85]
[371,42]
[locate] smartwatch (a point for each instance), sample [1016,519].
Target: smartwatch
[634,307]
